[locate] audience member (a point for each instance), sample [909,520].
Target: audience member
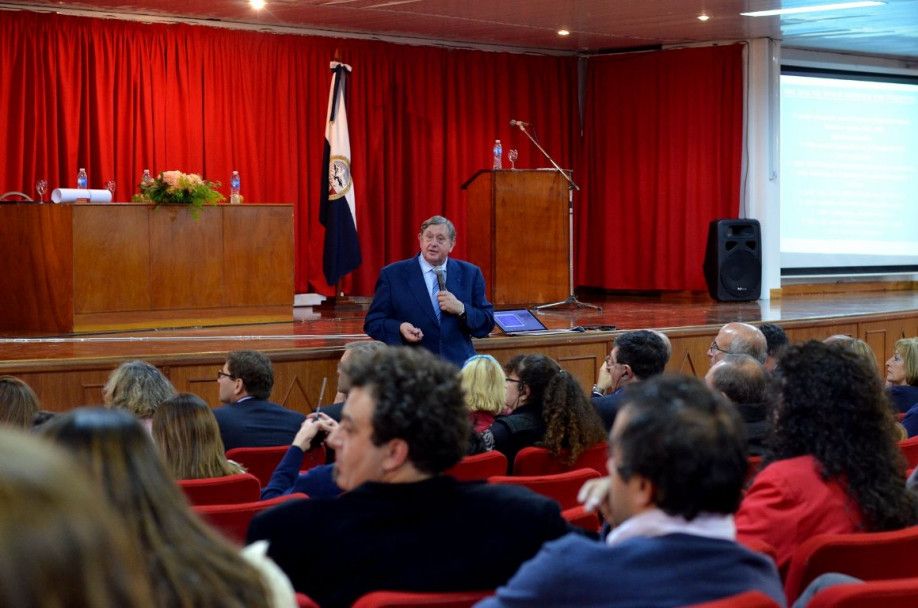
[188,437]
[527,379]
[18,403]
[137,387]
[333,411]
[742,380]
[317,482]
[676,470]
[775,340]
[739,339]
[189,563]
[571,422]
[485,393]
[635,356]
[248,419]
[430,300]
[902,374]
[401,524]
[858,346]
[834,466]
[60,544]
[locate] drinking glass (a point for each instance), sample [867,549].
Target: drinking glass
[513,155]
[41,186]
[110,186]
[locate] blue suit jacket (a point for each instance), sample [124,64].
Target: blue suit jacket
[401,295]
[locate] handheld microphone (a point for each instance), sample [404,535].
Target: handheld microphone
[518,123]
[441,280]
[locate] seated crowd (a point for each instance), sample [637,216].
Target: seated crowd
[382,513]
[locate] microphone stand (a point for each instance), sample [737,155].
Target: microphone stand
[571,300]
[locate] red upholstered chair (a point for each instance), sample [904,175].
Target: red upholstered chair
[304,601]
[909,449]
[899,593]
[562,487]
[399,599]
[749,599]
[760,546]
[479,466]
[869,556]
[221,490]
[580,517]
[261,462]
[233,519]
[539,461]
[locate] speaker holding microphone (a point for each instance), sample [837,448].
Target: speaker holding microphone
[733,260]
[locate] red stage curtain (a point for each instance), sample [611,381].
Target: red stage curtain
[663,154]
[117,97]
[659,158]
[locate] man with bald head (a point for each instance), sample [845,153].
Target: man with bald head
[739,339]
[741,379]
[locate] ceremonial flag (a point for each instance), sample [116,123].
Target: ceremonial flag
[337,211]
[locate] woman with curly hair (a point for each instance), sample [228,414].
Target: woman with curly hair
[137,387]
[571,422]
[189,563]
[18,403]
[483,385]
[834,465]
[187,434]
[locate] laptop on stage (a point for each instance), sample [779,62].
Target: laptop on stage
[521,322]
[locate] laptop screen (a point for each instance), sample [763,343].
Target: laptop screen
[517,320]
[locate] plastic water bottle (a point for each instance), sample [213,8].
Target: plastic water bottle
[82,180]
[146,179]
[498,154]
[235,197]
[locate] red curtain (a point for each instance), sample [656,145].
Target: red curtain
[663,156]
[659,158]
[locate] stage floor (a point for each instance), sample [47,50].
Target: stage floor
[324,330]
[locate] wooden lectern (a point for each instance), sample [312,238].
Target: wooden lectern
[518,234]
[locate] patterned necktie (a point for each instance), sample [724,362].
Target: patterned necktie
[441,276]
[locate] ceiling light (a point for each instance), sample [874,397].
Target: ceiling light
[812,9]
[703,17]
[564,33]
[257,4]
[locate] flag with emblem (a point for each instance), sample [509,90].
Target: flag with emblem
[337,211]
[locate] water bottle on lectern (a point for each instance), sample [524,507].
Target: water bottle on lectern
[82,184]
[498,155]
[235,197]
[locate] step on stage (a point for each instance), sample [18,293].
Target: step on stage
[69,370]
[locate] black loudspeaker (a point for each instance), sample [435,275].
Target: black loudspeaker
[733,260]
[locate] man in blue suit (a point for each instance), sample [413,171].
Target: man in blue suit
[430,300]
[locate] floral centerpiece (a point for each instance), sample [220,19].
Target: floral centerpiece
[175,187]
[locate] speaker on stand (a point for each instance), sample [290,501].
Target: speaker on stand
[733,260]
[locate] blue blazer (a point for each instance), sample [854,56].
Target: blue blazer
[401,295]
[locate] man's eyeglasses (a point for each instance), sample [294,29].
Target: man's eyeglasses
[223,374]
[512,380]
[715,347]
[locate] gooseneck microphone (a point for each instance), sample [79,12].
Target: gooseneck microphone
[518,123]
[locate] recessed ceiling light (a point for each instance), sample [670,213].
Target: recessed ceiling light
[812,9]
[257,4]
[703,17]
[564,33]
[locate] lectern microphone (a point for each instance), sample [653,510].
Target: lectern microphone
[518,123]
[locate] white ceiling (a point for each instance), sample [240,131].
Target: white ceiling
[889,30]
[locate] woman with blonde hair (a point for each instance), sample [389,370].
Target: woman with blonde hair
[137,387]
[18,403]
[187,434]
[483,385]
[60,545]
[189,563]
[902,374]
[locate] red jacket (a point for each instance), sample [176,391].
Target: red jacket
[789,502]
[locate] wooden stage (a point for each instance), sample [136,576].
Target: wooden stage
[69,370]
